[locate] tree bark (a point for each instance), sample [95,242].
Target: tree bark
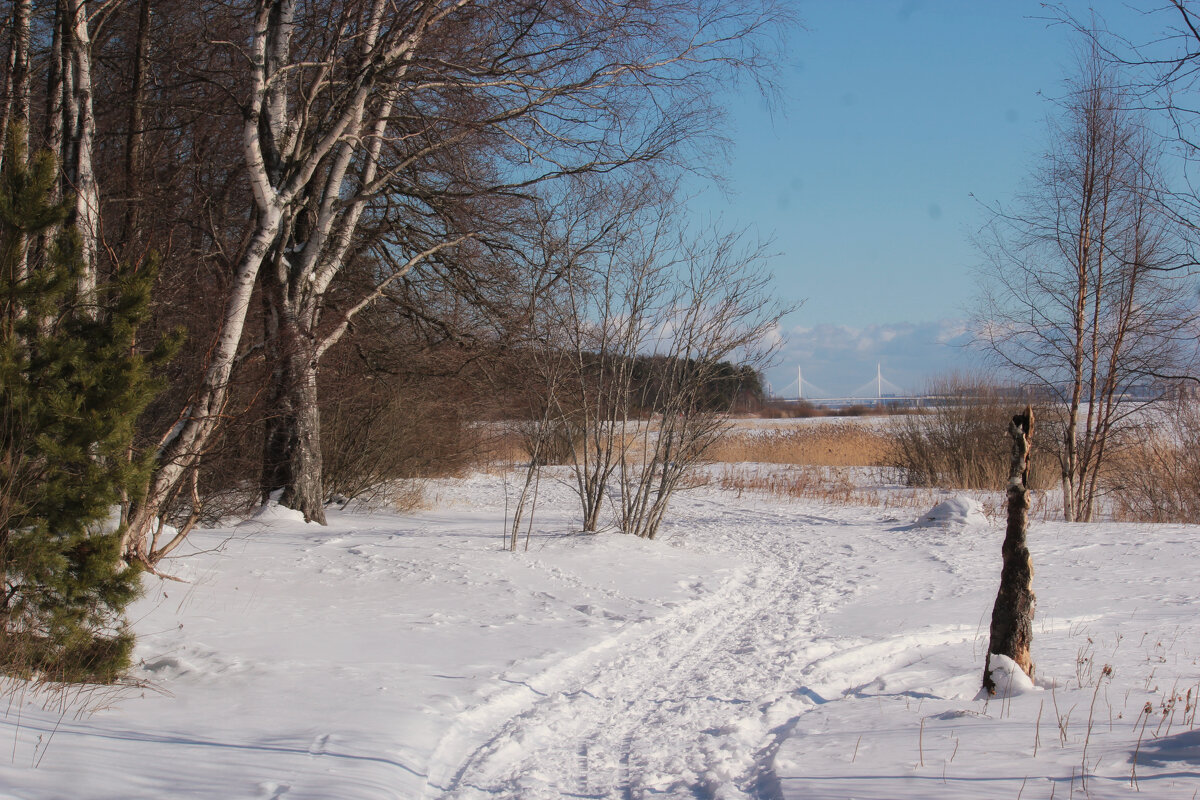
[16,109]
[292,463]
[78,141]
[135,139]
[1012,615]
[17,79]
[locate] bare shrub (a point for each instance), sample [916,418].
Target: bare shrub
[960,442]
[648,343]
[376,437]
[861,410]
[552,442]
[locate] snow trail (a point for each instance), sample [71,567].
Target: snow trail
[695,702]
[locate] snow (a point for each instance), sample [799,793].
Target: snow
[759,648]
[954,512]
[1009,678]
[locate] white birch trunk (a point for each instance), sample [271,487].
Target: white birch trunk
[16,86]
[83,175]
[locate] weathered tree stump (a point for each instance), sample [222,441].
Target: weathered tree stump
[1012,615]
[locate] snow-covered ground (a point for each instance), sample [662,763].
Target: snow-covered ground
[759,648]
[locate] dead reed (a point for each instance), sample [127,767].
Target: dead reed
[1154,475]
[829,444]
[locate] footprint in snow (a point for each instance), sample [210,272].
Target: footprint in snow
[317,748]
[592,611]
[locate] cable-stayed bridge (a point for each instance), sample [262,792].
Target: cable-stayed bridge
[877,389]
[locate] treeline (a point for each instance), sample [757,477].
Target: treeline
[723,386]
[728,386]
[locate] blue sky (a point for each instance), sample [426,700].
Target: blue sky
[898,120]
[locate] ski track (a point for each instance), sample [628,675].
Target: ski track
[670,706]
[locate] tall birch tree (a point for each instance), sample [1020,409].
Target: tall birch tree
[1084,294]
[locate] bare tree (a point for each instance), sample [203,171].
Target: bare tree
[717,311]
[1084,295]
[405,135]
[634,344]
[604,316]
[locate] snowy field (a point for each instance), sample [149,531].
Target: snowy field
[759,648]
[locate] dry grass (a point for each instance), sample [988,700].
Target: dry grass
[830,444]
[68,700]
[827,484]
[1154,474]
[835,444]
[796,482]
[841,486]
[500,447]
[511,444]
[814,463]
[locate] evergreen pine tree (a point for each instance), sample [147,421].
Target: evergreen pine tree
[71,388]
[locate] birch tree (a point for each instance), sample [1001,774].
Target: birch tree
[400,132]
[181,447]
[69,127]
[1084,294]
[17,74]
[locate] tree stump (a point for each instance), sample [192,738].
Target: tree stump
[1012,615]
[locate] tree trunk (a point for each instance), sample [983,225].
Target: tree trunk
[1012,615]
[16,112]
[292,463]
[181,448]
[1068,491]
[17,79]
[78,142]
[135,138]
